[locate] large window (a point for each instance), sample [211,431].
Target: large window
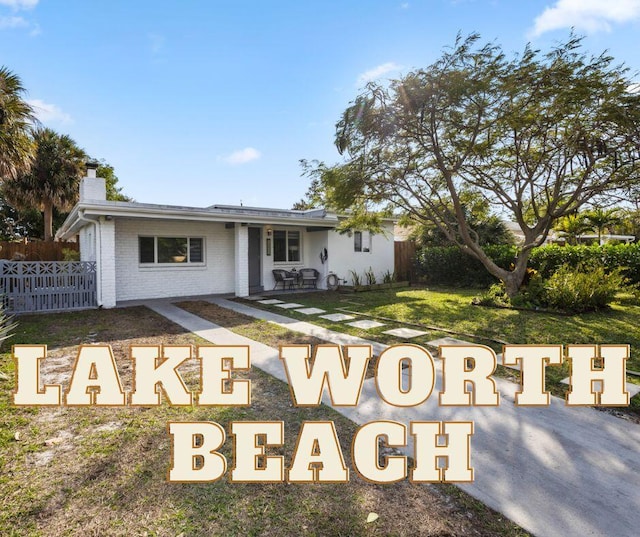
[361,241]
[171,250]
[286,246]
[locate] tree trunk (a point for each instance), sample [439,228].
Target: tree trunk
[48,221]
[512,283]
[512,279]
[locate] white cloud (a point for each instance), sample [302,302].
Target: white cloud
[242,156]
[19,4]
[378,71]
[49,113]
[13,22]
[404,5]
[586,15]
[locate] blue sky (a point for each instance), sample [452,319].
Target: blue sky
[202,102]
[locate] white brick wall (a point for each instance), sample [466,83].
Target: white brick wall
[315,242]
[107,269]
[225,269]
[343,258]
[93,188]
[135,281]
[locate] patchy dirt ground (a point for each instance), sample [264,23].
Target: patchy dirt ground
[102,471]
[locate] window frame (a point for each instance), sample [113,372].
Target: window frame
[366,238]
[300,260]
[186,263]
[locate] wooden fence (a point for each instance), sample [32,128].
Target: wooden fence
[35,251]
[47,286]
[404,256]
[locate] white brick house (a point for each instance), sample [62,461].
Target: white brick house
[155,251]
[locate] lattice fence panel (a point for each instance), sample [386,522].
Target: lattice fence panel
[32,286]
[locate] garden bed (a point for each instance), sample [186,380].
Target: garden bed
[372,287]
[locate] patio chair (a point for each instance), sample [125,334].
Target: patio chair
[283,277]
[309,278]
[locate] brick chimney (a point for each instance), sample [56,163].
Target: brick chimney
[92,188]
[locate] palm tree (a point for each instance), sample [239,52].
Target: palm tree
[16,121]
[53,179]
[601,219]
[571,226]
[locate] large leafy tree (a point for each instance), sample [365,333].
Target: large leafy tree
[16,120]
[536,136]
[629,223]
[53,179]
[16,224]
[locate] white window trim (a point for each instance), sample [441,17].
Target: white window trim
[273,248]
[186,264]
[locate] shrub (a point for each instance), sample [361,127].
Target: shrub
[496,295]
[448,265]
[549,259]
[69,254]
[533,293]
[587,287]
[7,326]
[370,276]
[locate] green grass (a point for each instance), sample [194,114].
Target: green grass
[452,310]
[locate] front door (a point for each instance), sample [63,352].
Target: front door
[255,283]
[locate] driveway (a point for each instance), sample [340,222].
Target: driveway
[555,471]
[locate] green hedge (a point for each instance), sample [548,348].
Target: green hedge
[448,265]
[549,259]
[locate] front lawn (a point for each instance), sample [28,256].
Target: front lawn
[451,309]
[102,471]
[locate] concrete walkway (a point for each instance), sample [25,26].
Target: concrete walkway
[555,471]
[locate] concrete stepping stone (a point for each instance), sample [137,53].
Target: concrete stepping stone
[448,341]
[337,317]
[311,311]
[407,333]
[289,305]
[255,297]
[633,389]
[271,301]
[365,324]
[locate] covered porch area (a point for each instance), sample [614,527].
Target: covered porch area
[272,257]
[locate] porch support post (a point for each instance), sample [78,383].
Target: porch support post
[241,260]
[105,256]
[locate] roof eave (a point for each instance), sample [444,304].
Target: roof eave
[75,221]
